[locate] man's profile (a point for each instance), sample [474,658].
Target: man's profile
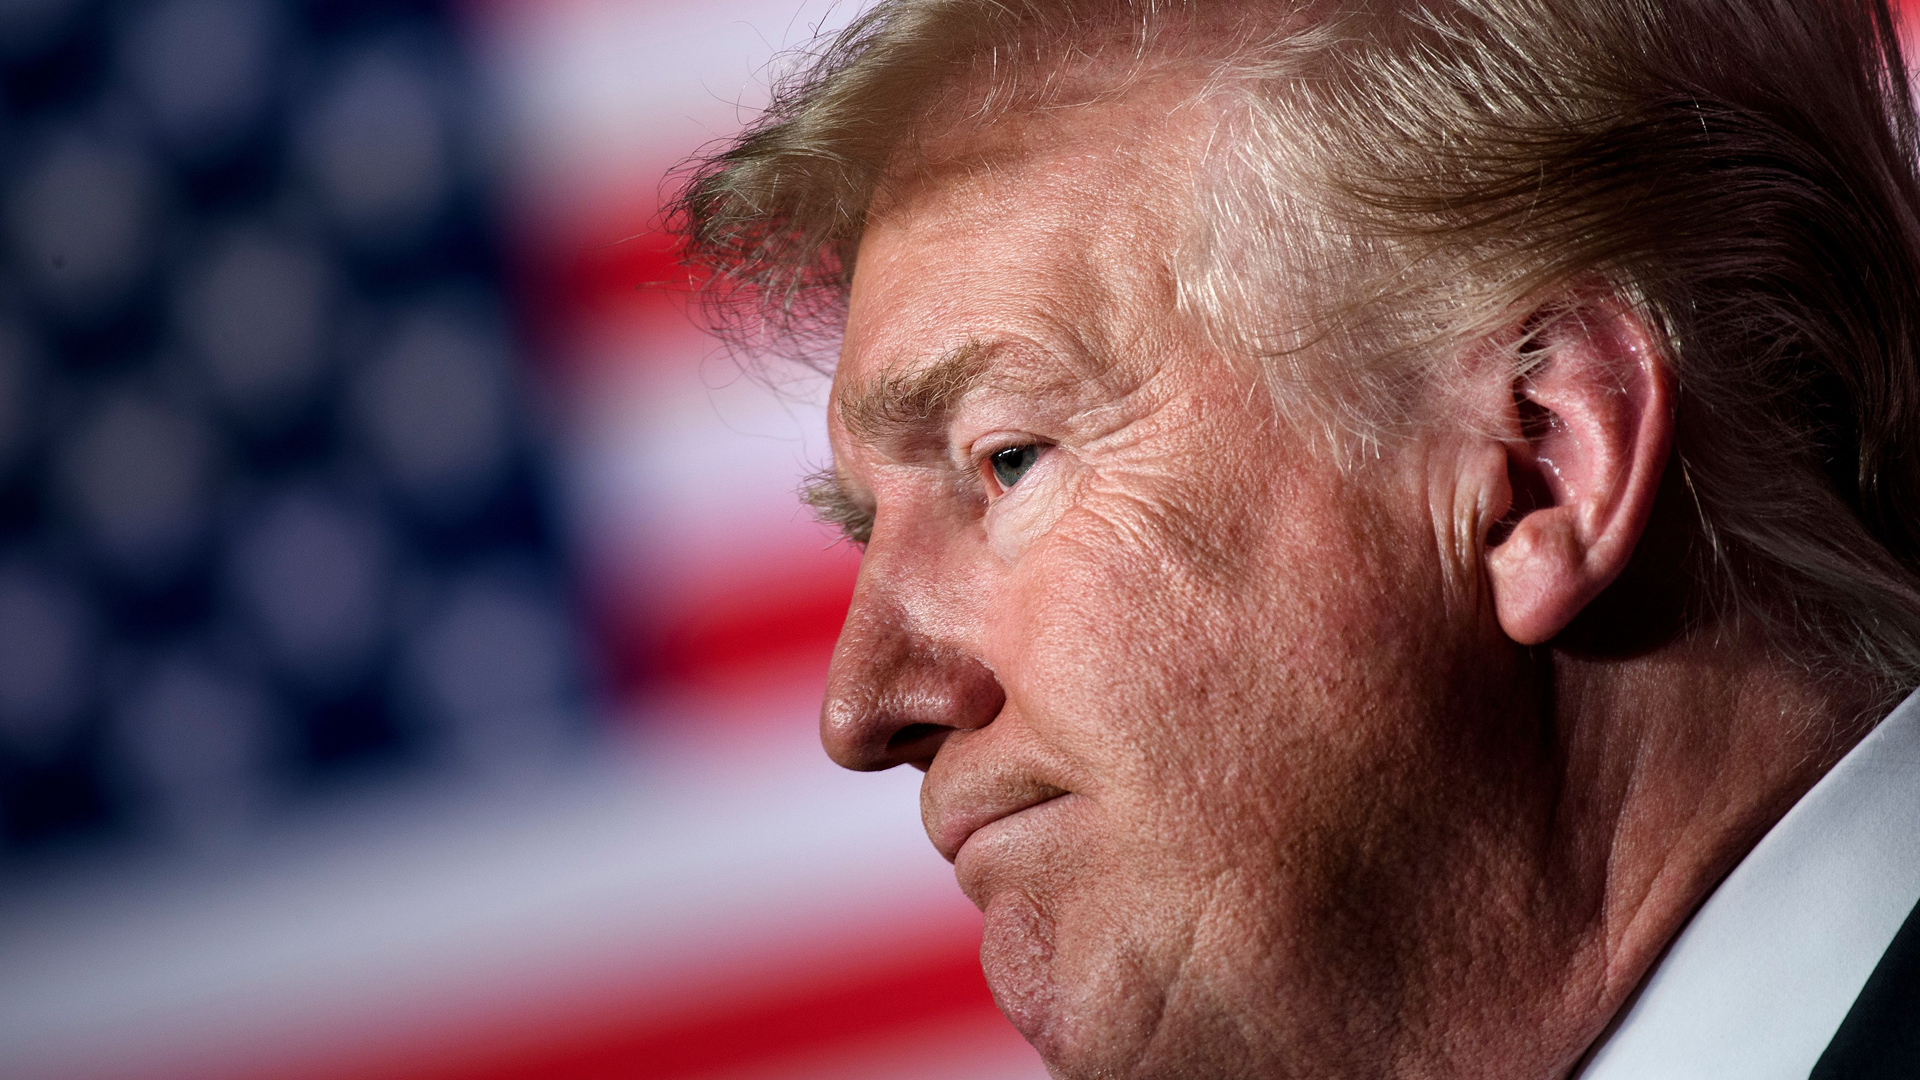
[1393,529]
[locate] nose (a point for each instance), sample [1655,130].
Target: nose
[896,692]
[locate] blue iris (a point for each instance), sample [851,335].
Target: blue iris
[1011,464]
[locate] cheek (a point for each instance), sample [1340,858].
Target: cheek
[1153,681]
[1218,682]
[1213,700]
[1128,641]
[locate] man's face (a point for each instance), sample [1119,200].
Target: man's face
[1200,734]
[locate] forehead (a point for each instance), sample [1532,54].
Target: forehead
[1049,235]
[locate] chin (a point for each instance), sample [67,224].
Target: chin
[1077,974]
[1017,956]
[1073,992]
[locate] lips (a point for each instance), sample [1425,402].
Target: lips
[953,820]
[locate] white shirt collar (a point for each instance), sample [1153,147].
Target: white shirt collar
[1758,982]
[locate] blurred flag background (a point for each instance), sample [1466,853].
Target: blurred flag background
[409,640]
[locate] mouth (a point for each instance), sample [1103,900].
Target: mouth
[953,830]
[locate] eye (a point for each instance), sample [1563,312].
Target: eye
[1011,464]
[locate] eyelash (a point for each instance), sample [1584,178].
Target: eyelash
[832,507]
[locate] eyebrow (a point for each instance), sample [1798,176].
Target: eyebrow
[912,403]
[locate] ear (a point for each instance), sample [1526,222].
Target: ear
[1585,438]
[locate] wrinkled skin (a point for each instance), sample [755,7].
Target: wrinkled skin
[1229,744]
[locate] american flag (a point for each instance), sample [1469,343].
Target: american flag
[409,640]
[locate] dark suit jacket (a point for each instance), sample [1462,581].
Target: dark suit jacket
[1880,1038]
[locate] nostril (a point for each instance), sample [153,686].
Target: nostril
[916,744]
[913,733]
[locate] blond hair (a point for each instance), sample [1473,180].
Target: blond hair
[1741,171]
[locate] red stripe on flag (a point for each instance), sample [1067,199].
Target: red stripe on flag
[763,1028]
[792,1015]
[784,618]
[790,617]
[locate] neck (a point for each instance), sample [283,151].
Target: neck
[1637,829]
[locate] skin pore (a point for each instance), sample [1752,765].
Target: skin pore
[1259,765]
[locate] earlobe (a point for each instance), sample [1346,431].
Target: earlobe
[1585,442]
